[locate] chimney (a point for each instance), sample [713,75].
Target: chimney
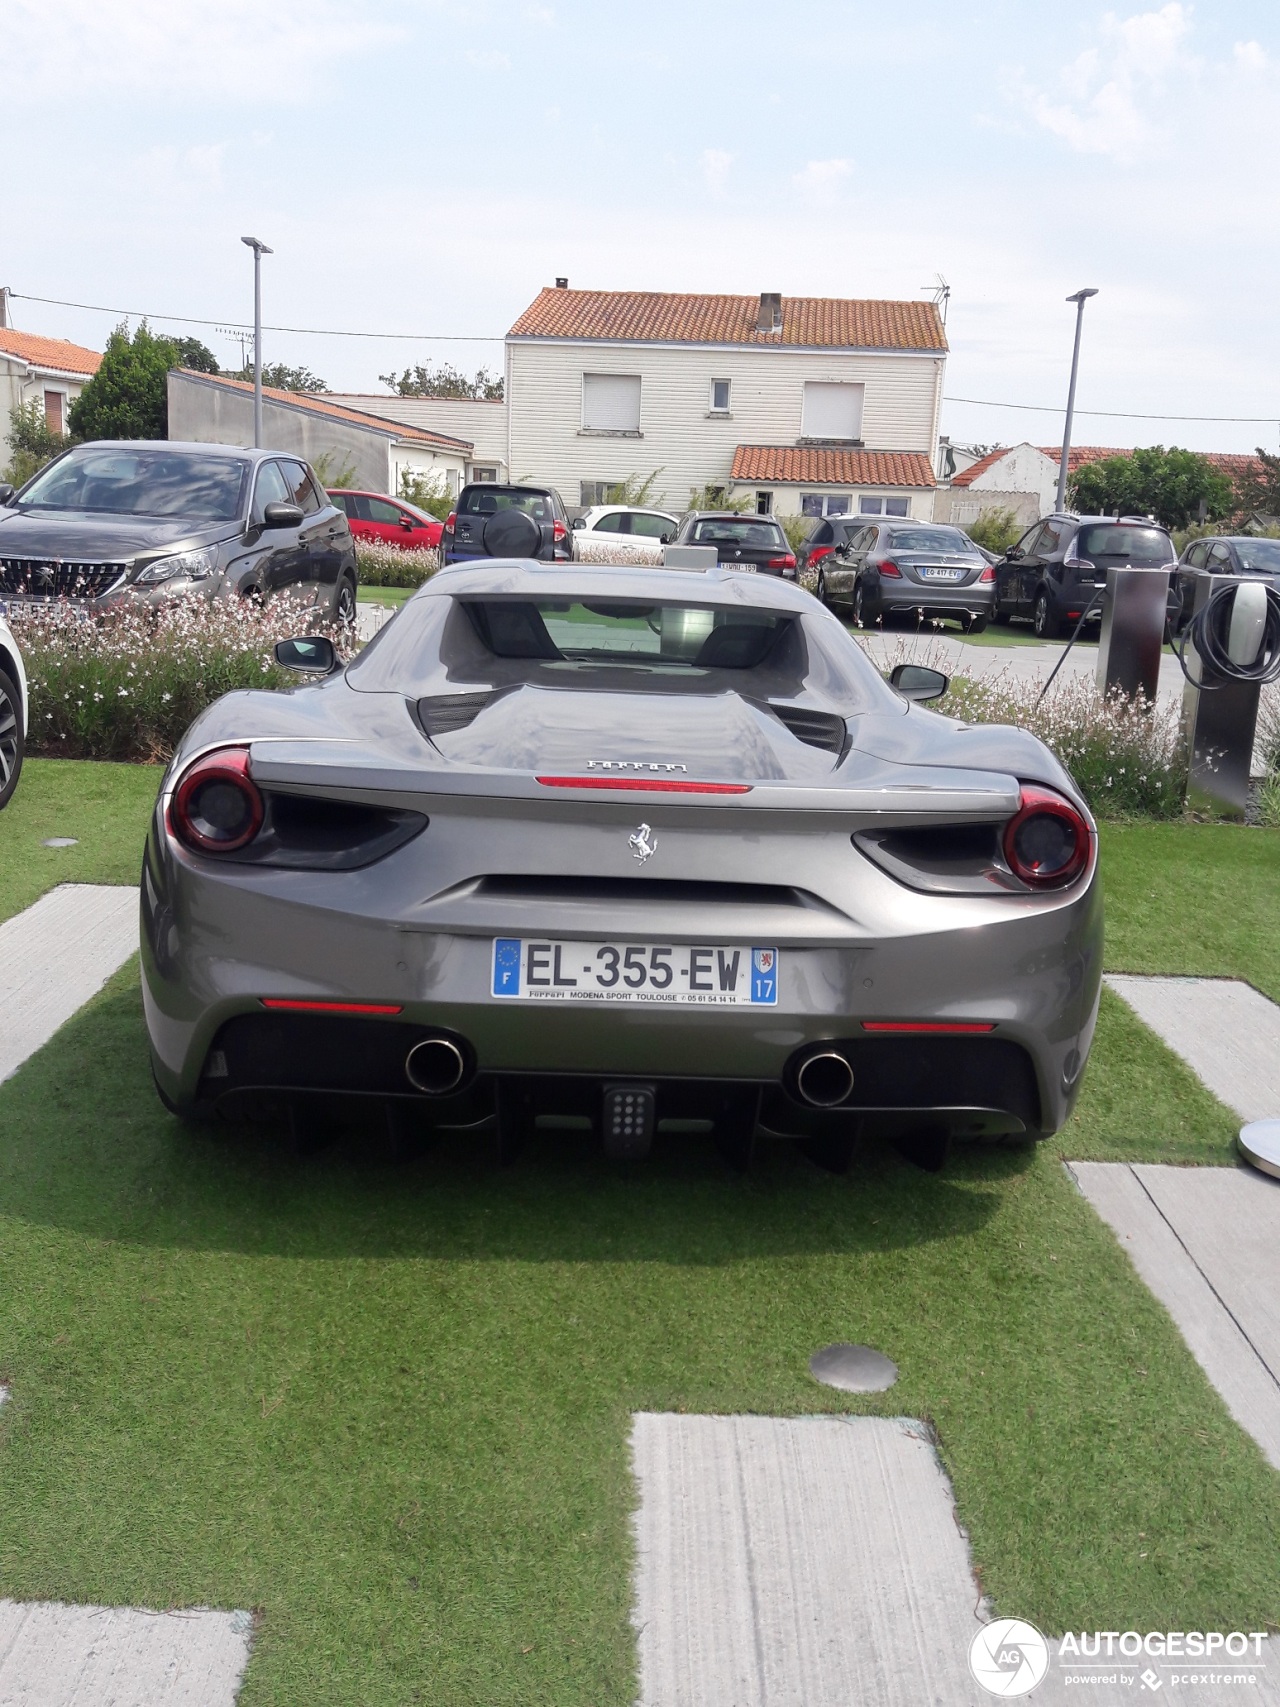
[769,318]
[562,284]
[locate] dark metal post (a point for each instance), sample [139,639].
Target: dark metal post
[1080,298]
[259,250]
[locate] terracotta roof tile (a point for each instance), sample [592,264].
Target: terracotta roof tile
[49,352]
[813,465]
[318,404]
[1236,466]
[810,322]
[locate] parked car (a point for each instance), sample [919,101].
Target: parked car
[621,524]
[13,711]
[828,536]
[131,522]
[1221,554]
[741,542]
[620,843]
[896,568]
[1060,565]
[507,521]
[391,521]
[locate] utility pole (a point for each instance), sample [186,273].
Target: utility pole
[4,305]
[1080,298]
[259,250]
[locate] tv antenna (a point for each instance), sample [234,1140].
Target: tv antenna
[241,337]
[941,294]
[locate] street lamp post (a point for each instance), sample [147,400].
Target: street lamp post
[259,250]
[1080,298]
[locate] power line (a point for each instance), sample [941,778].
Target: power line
[307,331]
[1117,414]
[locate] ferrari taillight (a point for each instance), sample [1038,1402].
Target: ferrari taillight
[1047,840]
[216,807]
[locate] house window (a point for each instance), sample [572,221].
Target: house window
[764,503]
[611,402]
[720,390]
[53,404]
[595,492]
[896,507]
[831,411]
[883,506]
[826,504]
[481,474]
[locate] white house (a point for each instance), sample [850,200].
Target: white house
[473,420]
[49,370]
[808,405]
[1022,478]
[370,452]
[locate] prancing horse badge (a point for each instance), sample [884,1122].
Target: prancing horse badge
[643,843]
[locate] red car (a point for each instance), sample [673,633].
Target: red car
[391,520]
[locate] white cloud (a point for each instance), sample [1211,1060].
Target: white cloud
[236,49]
[715,167]
[823,178]
[1250,56]
[168,171]
[1113,92]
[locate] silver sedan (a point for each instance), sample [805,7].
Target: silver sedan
[910,569]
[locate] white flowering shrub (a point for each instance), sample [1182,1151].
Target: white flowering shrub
[607,551]
[379,565]
[127,684]
[1127,757]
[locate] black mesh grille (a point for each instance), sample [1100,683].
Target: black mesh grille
[441,714]
[815,728]
[47,578]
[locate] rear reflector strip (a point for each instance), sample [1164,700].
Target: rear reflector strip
[280,1005]
[923,1025]
[640,784]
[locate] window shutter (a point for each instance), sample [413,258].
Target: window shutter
[831,411]
[611,402]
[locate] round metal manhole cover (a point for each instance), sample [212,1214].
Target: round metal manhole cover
[59,842]
[853,1368]
[1259,1143]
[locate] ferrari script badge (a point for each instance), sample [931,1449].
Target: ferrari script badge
[643,843]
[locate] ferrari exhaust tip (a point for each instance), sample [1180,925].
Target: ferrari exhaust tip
[435,1066]
[824,1079]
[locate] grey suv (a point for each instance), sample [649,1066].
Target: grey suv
[1060,565]
[129,522]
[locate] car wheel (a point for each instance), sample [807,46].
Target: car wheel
[975,625]
[12,737]
[1045,624]
[344,609]
[820,592]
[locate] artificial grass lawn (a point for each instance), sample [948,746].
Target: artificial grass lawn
[389,1408]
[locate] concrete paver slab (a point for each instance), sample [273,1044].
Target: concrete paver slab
[1226,1032]
[1207,1243]
[110,1656]
[56,955]
[817,1562]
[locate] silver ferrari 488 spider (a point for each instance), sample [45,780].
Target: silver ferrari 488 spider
[655,847]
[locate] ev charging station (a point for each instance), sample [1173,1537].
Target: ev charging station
[1132,638]
[1226,665]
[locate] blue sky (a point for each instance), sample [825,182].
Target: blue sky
[426,167]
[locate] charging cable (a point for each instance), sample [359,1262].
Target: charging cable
[1236,632]
[1090,609]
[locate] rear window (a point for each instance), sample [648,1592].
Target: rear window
[930,539]
[1125,543]
[676,638]
[1258,553]
[488,500]
[748,531]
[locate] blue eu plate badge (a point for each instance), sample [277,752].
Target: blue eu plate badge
[506,966]
[764,976]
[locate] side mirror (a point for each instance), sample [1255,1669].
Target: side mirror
[408,523]
[282,516]
[7,493]
[916,682]
[1014,554]
[314,656]
[665,538]
[578,522]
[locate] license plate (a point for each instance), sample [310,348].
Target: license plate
[943,574]
[694,975]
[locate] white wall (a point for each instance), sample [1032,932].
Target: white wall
[677,433]
[19,383]
[483,425]
[1022,468]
